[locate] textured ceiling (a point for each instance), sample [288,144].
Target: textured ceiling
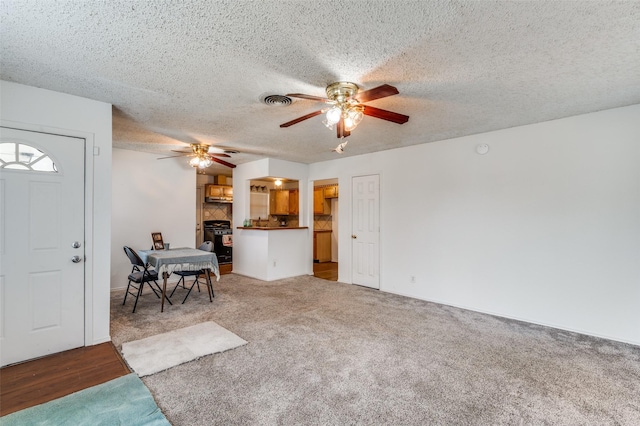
[180,72]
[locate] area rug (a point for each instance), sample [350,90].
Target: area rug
[166,350]
[122,401]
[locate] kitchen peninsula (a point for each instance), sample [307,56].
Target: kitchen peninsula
[268,196]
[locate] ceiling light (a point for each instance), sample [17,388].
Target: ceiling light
[345,107]
[333,115]
[201,159]
[278,182]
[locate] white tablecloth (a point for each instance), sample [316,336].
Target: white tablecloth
[181,259]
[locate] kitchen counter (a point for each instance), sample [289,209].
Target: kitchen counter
[272,228]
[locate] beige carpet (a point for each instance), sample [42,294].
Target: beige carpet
[157,353]
[327,353]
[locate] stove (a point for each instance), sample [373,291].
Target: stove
[220,232]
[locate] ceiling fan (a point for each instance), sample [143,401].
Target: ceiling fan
[348,107]
[202,155]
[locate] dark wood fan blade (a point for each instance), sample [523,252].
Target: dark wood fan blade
[340,129]
[310,97]
[385,115]
[224,163]
[182,152]
[176,156]
[299,119]
[376,93]
[218,154]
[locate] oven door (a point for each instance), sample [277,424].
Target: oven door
[223,252]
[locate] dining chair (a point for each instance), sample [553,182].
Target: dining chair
[206,246]
[140,274]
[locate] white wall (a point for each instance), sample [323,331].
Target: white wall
[544,228]
[149,196]
[42,110]
[270,255]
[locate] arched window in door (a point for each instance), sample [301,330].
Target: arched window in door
[19,156]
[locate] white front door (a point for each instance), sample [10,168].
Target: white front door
[366,230]
[41,244]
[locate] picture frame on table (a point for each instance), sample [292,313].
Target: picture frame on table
[158,244]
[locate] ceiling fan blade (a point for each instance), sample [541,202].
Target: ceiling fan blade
[310,97]
[224,163]
[341,131]
[375,93]
[176,156]
[182,152]
[299,119]
[385,115]
[218,154]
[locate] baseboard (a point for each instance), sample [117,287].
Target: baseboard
[496,314]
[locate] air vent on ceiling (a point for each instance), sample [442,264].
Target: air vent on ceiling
[277,100]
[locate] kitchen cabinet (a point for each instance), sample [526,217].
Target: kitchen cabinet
[220,193]
[331,191]
[294,201]
[279,202]
[320,204]
[322,246]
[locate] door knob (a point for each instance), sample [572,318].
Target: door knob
[76,244]
[354,237]
[76,259]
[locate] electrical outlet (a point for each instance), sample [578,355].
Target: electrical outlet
[412,279]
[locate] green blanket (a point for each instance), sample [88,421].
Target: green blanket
[122,401]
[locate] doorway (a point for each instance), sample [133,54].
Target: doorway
[42,244]
[325,228]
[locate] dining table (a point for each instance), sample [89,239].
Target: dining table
[182,259]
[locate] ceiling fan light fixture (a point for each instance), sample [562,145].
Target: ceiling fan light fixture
[355,113]
[352,117]
[333,115]
[326,123]
[349,125]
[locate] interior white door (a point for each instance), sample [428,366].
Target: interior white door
[366,230]
[41,244]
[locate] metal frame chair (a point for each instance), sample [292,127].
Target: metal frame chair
[140,274]
[206,246]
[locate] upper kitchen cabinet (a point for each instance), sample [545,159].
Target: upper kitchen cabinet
[320,204]
[218,193]
[279,202]
[294,201]
[331,191]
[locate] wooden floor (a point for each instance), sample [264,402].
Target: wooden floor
[45,379]
[326,270]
